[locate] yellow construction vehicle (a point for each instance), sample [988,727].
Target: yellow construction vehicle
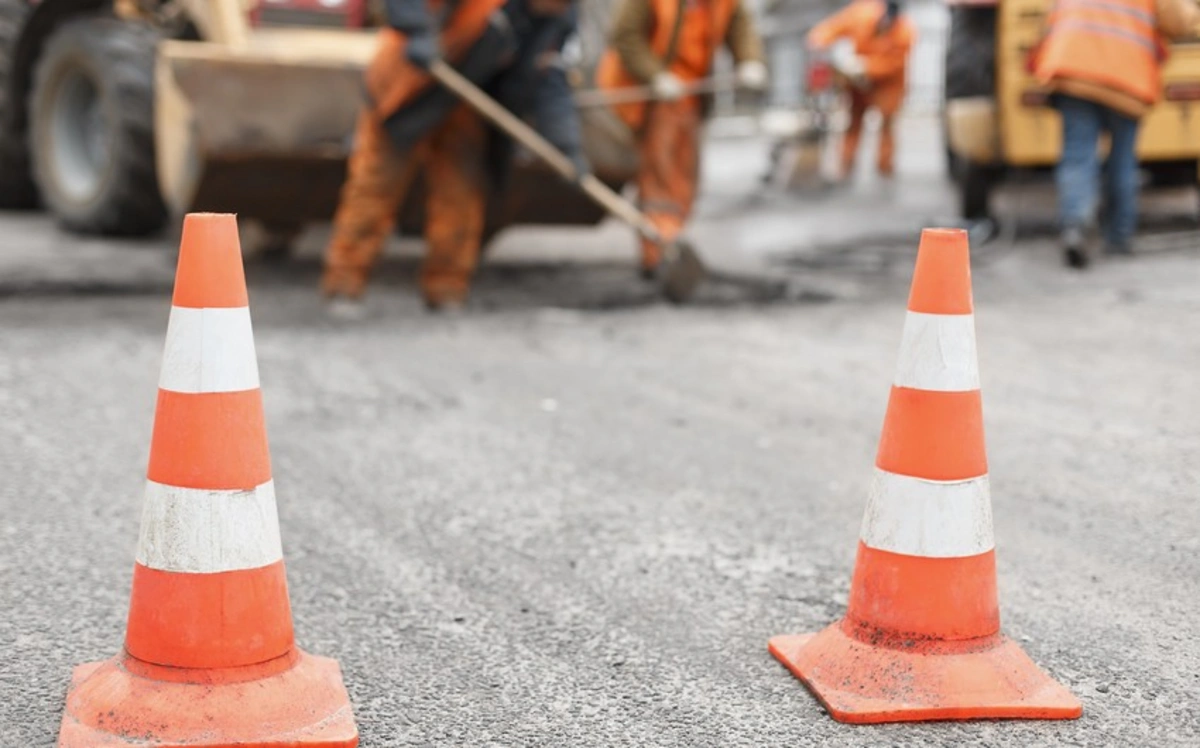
[119,115]
[997,122]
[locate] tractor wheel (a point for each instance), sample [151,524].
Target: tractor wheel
[17,189]
[975,185]
[92,127]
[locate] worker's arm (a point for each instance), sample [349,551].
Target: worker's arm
[743,38]
[832,28]
[1178,18]
[555,115]
[413,19]
[882,67]
[410,17]
[557,118]
[631,39]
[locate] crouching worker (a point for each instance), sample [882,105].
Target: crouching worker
[667,44]
[412,125]
[882,37]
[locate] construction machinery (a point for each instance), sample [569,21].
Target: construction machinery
[119,115]
[998,123]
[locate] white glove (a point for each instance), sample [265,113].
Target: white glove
[858,67]
[858,74]
[667,87]
[846,61]
[752,74]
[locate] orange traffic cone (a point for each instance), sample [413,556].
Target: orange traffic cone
[209,657]
[921,636]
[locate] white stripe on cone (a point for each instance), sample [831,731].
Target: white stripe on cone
[919,517]
[209,350]
[203,531]
[937,352]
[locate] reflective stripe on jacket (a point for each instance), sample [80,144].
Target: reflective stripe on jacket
[1112,45]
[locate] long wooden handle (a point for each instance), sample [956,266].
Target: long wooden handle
[639,94]
[542,148]
[229,24]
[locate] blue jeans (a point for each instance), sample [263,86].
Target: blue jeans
[1078,174]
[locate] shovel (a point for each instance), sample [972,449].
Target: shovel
[681,272]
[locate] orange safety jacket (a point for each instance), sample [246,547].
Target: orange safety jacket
[667,35]
[884,53]
[393,81]
[1110,44]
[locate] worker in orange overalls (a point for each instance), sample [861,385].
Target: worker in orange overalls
[666,44]
[882,37]
[511,48]
[1102,63]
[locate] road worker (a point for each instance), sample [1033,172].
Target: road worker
[666,45]
[511,48]
[882,37]
[1102,63]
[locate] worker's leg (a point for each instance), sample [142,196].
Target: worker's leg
[1077,175]
[669,170]
[457,182]
[887,145]
[1122,182]
[887,99]
[858,111]
[377,180]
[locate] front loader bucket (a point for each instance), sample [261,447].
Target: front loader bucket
[262,130]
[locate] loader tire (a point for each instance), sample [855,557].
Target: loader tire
[17,189]
[970,65]
[975,190]
[92,125]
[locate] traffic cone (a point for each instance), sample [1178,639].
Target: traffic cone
[209,656]
[921,636]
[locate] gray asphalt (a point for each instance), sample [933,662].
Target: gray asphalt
[574,515]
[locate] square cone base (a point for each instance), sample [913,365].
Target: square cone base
[861,683]
[114,703]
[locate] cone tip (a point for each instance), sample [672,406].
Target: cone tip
[210,273]
[942,279]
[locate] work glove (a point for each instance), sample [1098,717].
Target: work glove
[752,74]
[850,65]
[667,87]
[422,49]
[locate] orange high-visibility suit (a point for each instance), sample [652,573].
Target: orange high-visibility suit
[1102,61]
[883,50]
[1113,53]
[380,174]
[681,37]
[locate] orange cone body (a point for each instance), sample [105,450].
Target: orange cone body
[209,657]
[921,636]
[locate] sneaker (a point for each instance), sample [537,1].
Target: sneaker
[1075,249]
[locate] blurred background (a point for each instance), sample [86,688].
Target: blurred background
[573,513]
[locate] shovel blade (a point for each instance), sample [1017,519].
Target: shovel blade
[682,273]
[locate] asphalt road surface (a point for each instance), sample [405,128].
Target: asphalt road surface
[573,515]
